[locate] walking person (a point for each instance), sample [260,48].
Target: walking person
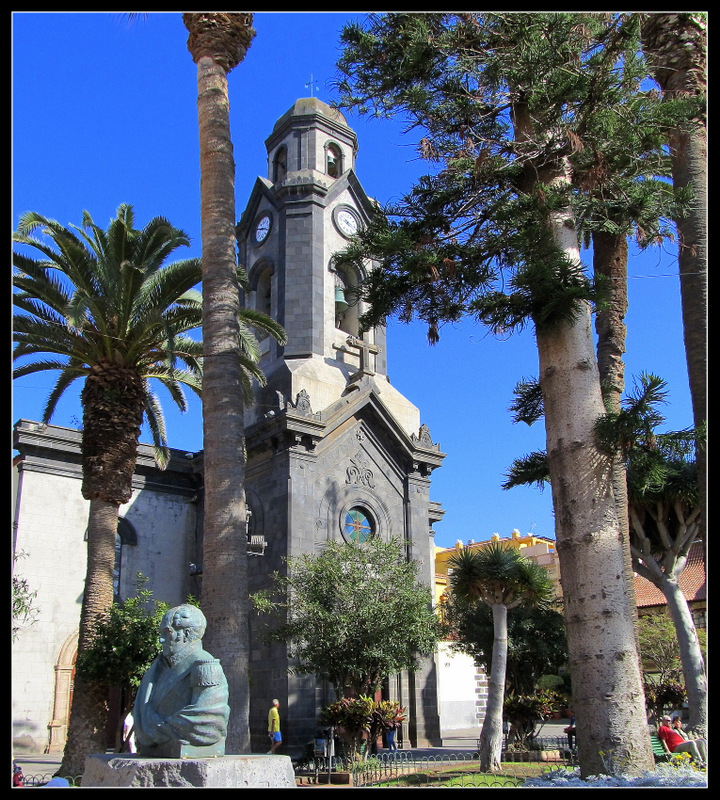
[274,727]
[390,736]
[570,730]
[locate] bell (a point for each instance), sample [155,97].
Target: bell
[340,304]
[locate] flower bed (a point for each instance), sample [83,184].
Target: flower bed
[663,775]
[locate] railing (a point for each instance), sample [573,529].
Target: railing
[542,748]
[420,770]
[405,769]
[44,778]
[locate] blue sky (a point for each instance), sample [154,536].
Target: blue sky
[104,113]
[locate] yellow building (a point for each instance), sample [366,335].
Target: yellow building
[539,548]
[462,684]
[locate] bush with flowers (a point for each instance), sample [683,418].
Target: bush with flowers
[679,771]
[526,712]
[361,717]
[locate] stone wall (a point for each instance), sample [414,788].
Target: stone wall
[50,523]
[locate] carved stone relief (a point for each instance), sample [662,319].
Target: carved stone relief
[358,472]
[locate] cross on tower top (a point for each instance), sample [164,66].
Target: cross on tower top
[364,350]
[311,84]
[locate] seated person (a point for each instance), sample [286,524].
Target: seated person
[676,742]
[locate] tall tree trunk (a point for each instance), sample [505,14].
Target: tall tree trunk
[675,46]
[604,663]
[87,730]
[491,733]
[689,169]
[610,255]
[113,399]
[218,42]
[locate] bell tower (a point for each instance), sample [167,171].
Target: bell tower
[295,220]
[334,451]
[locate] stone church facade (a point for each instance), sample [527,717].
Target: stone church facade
[334,452]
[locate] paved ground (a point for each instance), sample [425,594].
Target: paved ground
[459,741]
[453,741]
[466,739]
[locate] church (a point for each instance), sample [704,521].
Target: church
[334,452]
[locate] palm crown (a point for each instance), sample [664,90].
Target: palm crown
[497,574]
[105,306]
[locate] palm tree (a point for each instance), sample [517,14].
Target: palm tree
[108,310]
[675,46]
[218,42]
[502,579]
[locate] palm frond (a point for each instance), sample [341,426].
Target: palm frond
[156,425]
[531,470]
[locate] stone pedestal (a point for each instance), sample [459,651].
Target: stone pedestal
[221,772]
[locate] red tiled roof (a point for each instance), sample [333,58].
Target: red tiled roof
[692,581]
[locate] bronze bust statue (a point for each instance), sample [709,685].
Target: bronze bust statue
[181,708]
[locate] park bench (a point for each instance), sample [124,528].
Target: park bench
[660,753]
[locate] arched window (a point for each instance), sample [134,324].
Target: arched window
[126,532]
[347,301]
[279,165]
[333,161]
[126,535]
[261,277]
[263,292]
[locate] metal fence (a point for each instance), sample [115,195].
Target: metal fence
[542,744]
[44,778]
[408,770]
[404,769]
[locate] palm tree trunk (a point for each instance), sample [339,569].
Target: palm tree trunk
[604,663]
[610,255]
[99,588]
[87,730]
[688,153]
[491,733]
[675,46]
[224,590]
[113,399]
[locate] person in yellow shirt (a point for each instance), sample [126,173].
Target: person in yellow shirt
[274,727]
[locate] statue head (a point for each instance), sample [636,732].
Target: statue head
[180,626]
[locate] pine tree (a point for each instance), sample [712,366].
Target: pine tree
[509,106]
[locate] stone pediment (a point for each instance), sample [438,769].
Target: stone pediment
[262,190]
[295,423]
[349,182]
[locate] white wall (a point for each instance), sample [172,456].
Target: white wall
[50,523]
[50,527]
[461,699]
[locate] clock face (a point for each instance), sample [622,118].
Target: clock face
[262,229]
[346,222]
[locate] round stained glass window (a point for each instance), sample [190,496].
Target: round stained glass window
[358,526]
